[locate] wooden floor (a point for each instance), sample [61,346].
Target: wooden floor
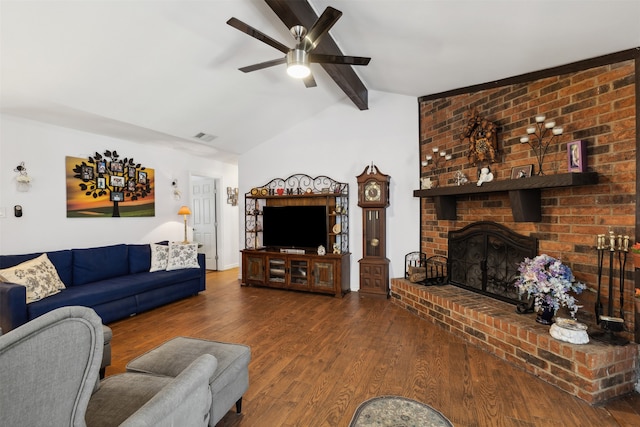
[315,358]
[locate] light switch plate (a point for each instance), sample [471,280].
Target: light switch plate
[3,212]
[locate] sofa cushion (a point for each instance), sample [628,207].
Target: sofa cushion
[94,264]
[139,258]
[109,290]
[182,255]
[62,261]
[159,257]
[38,275]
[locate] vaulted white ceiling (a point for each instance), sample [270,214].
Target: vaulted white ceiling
[161,72]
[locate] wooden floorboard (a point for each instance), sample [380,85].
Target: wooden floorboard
[315,358]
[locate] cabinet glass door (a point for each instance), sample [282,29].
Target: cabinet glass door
[299,269]
[277,270]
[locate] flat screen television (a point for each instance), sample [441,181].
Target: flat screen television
[303,227]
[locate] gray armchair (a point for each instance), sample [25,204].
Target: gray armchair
[49,368]
[49,377]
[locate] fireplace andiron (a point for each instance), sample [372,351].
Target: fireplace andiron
[618,245]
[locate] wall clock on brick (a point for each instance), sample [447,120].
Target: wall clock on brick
[373,198]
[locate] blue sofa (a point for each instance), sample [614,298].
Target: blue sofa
[113,280]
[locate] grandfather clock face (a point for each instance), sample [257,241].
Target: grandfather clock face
[373,188]
[372,191]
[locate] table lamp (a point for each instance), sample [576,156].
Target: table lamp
[184,210]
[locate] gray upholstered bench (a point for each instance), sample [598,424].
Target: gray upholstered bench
[228,383]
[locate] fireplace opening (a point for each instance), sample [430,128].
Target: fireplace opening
[484,257]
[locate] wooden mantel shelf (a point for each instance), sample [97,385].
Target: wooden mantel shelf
[524,193]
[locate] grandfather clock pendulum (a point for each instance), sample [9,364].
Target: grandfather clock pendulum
[373,198]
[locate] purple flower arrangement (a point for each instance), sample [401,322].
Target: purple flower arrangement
[549,281]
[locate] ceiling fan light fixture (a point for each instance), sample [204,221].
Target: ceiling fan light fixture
[298,64]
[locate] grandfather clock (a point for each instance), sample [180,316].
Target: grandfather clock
[373,198]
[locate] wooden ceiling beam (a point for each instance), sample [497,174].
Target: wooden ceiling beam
[297,12]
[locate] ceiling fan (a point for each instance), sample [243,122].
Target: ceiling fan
[299,57]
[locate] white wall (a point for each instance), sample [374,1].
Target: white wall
[340,142]
[44,225]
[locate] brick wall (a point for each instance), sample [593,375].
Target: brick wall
[595,104]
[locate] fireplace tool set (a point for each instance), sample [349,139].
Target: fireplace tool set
[617,248]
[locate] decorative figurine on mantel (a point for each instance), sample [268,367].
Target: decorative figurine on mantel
[485,176]
[426,182]
[483,139]
[460,178]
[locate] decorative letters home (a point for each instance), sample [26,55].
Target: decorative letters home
[594,101]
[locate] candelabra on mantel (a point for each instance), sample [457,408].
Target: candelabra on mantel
[433,161]
[538,131]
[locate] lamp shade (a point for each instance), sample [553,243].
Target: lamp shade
[184,210]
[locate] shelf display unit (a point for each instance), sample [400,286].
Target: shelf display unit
[302,269]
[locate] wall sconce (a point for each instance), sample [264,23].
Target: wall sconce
[538,131]
[184,210]
[177,194]
[232,196]
[23,180]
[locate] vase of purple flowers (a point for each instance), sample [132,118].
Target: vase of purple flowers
[550,283]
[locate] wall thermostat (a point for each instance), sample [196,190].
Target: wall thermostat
[17,211]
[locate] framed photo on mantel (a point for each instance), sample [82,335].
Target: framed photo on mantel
[577,156]
[518,172]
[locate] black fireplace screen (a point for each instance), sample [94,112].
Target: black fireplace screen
[484,258]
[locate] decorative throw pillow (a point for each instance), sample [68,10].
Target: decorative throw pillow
[183,255]
[159,257]
[38,275]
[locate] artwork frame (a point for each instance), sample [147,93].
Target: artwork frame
[577,156]
[117,167]
[93,198]
[142,177]
[117,181]
[102,166]
[518,172]
[87,172]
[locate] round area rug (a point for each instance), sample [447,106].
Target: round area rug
[396,411]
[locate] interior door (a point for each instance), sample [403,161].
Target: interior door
[205,224]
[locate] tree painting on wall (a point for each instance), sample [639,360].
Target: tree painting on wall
[105,185]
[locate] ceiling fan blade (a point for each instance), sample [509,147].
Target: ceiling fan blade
[321,27]
[257,34]
[337,59]
[309,81]
[262,65]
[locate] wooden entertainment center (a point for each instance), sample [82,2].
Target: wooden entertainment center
[302,269]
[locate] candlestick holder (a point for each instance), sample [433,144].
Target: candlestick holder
[433,160]
[536,135]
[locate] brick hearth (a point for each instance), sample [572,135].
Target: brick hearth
[594,372]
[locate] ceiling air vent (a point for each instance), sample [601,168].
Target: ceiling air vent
[204,137]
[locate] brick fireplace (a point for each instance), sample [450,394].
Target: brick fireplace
[596,101]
